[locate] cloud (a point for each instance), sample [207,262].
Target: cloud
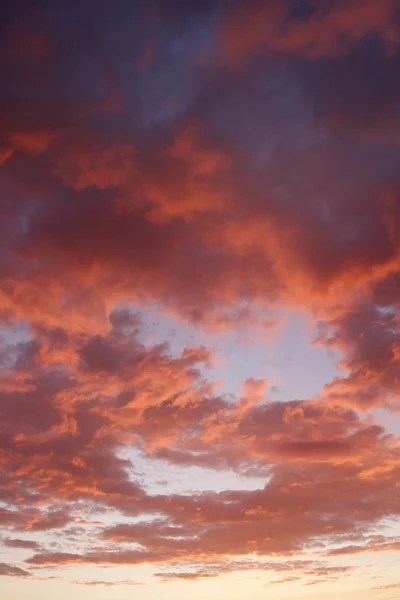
[113,392]
[224,163]
[106,583]
[392,586]
[25,544]
[369,339]
[12,571]
[372,546]
[316,30]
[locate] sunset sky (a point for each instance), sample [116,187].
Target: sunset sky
[199,299]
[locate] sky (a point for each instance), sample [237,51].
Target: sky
[199,299]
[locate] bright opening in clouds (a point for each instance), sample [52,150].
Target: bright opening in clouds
[199,299]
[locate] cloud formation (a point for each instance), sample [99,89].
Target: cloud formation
[224,163]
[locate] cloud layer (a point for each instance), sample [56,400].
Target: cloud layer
[207,158]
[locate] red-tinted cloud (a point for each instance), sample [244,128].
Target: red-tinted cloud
[247,164]
[316,30]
